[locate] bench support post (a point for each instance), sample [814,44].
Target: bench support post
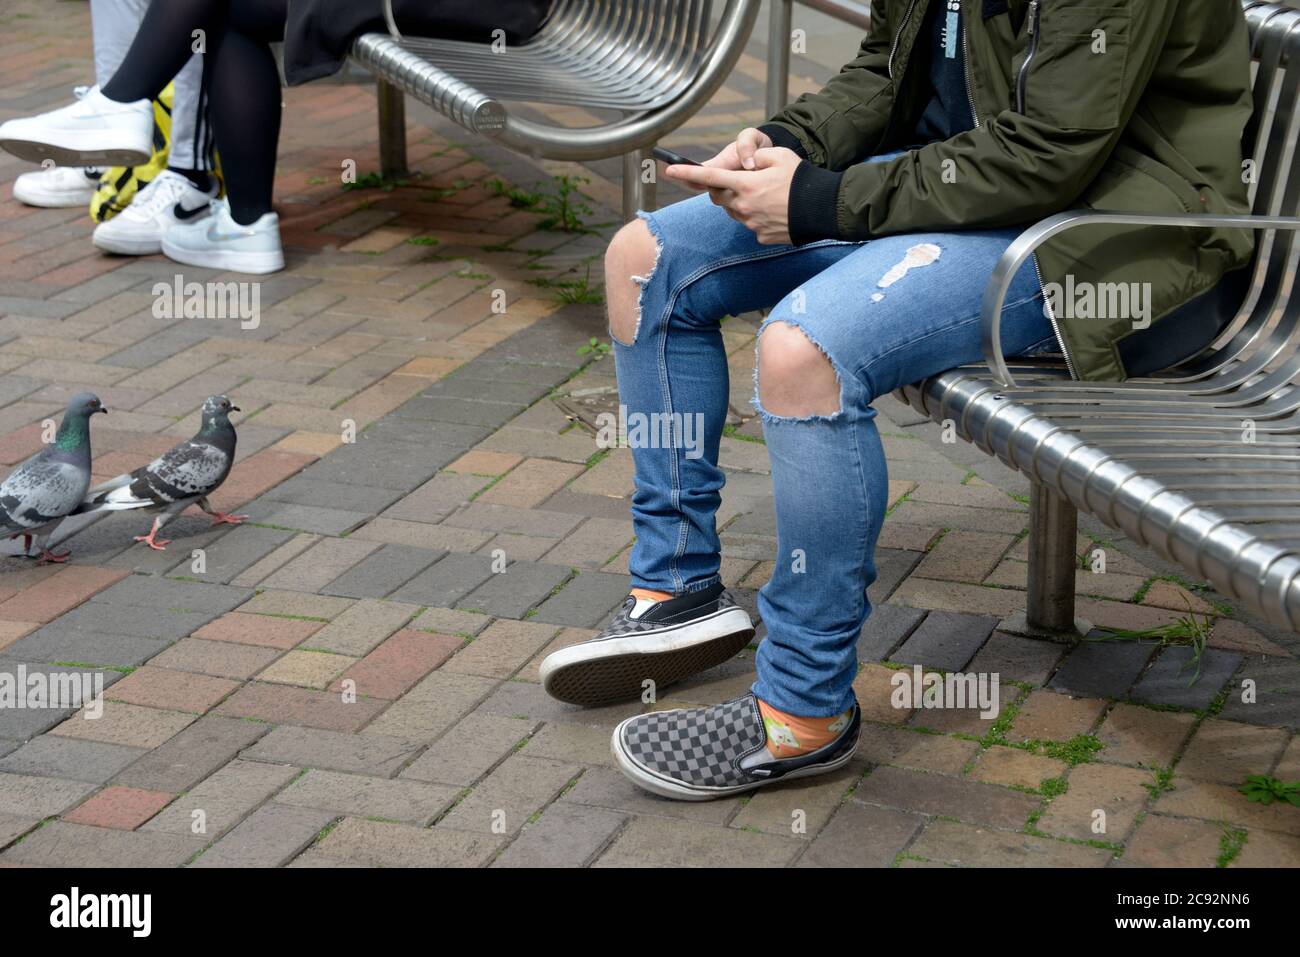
[1053,529]
[778,56]
[637,193]
[392,130]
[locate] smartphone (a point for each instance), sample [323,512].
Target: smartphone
[671,158]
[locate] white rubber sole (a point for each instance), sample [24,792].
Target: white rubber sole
[87,155]
[122,246]
[229,260]
[51,200]
[667,787]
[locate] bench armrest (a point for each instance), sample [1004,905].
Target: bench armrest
[995,293]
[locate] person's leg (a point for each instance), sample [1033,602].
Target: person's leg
[672,366]
[167,215]
[168,36]
[671,277]
[190,147]
[893,311]
[897,310]
[113,125]
[113,24]
[242,89]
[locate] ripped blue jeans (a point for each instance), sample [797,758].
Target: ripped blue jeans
[886,313]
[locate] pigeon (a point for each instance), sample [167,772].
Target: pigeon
[183,475]
[50,485]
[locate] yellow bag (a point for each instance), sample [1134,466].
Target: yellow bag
[118,185]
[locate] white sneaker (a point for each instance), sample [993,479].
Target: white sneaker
[58,187]
[94,131]
[138,229]
[219,242]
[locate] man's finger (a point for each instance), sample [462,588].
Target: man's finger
[707,177]
[769,156]
[747,143]
[722,197]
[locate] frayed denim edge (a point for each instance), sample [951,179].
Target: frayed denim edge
[771,417]
[643,281]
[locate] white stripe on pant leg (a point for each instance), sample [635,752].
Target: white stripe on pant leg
[114,24]
[189,124]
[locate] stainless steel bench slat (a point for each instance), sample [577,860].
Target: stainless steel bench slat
[653,63]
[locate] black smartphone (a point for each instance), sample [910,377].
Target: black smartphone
[671,158]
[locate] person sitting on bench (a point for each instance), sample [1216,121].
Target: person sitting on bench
[867,217]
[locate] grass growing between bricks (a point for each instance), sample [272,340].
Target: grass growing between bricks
[1231,841]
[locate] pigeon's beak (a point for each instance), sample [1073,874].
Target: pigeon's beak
[102,409]
[235,408]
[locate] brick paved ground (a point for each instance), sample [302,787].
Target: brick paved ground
[226,738]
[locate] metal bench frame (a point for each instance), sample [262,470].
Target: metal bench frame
[656,61]
[1164,458]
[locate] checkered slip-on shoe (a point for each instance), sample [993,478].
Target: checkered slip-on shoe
[661,642]
[695,754]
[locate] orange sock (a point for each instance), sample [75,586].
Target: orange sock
[649,595]
[789,735]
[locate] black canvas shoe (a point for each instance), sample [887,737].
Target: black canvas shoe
[662,642]
[697,754]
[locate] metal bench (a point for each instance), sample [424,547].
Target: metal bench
[655,61]
[1168,460]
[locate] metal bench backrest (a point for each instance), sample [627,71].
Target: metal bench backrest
[1263,334]
[631,55]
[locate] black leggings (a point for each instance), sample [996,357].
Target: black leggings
[240,81]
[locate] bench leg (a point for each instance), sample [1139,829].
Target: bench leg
[637,193]
[392,130]
[1053,529]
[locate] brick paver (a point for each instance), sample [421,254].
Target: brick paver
[351,678]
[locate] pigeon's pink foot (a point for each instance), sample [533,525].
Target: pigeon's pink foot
[49,557]
[223,518]
[157,544]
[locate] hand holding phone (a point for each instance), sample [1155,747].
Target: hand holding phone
[671,158]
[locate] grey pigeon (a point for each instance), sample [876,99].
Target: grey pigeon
[37,495]
[183,475]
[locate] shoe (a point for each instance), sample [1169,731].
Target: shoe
[662,642]
[138,229]
[58,187]
[698,754]
[94,131]
[219,242]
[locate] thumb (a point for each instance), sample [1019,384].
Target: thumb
[770,156]
[747,144]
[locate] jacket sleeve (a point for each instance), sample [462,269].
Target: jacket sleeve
[845,119]
[1016,167]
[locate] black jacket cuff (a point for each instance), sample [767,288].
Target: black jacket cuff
[780,136]
[814,203]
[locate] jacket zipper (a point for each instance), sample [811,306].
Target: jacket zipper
[1022,78]
[1022,83]
[893,50]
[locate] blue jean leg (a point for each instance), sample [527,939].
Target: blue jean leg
[709,267]
[892,312]
[828,473]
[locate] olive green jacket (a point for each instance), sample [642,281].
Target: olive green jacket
[1122,105]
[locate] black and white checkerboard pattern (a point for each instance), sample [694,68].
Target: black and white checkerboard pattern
[701,746]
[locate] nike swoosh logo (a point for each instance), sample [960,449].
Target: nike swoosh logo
[181,213]
[217,237]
